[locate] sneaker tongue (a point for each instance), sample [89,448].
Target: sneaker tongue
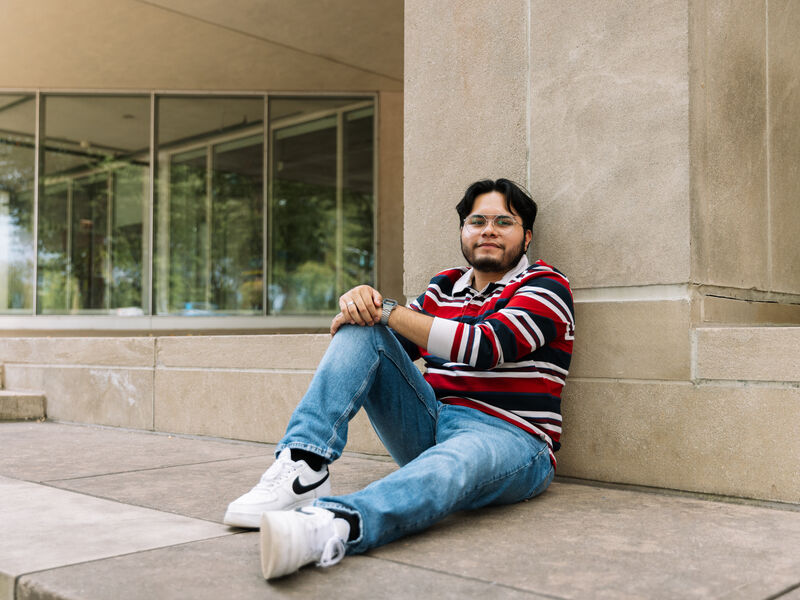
[279,469]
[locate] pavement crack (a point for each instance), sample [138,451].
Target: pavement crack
[468,578]
[782,593]
[146,469]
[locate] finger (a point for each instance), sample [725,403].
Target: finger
[373,301]
[345,302]
[337,322]
[360,311]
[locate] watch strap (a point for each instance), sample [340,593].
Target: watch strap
[388,306]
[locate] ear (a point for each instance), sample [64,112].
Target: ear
[528,237]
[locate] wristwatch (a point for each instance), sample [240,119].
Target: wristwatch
[388,306]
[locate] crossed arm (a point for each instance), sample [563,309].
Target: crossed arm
[363,306]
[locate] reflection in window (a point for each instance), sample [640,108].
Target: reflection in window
[94,174]
[321,202]
[231,233]
[17,157]
[209,206]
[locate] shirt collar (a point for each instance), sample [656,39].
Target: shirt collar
[465,280]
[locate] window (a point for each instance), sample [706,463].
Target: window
[209,206]
[321,202]
[17,164]
[185,205]
[93,189]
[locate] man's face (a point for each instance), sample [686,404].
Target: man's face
[493,249]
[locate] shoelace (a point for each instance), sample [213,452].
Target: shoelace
[270,479]
[332,552]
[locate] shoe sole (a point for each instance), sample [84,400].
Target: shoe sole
[272,533]
[252,520]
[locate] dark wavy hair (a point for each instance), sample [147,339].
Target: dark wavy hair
[516,196]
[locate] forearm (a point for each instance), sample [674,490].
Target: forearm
[412,325]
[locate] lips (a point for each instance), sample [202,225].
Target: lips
[489,246]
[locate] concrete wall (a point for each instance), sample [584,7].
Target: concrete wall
[731,429]
[465,118]
[238,387]
[745,147]
[660,140]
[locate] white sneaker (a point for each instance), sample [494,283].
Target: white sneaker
[291,539]
[287,484]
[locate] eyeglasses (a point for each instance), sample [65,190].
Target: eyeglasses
[500,222]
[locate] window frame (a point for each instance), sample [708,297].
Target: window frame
[150,322]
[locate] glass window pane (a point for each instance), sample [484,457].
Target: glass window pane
[93,193]
[321,202]
[358,189]
[303,218]
[54,232]
[237,224]
[210,190]
[17,155]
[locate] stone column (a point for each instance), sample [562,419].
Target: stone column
[661,141]
[466,113]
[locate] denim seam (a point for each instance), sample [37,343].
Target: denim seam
[402,372]
[345,416]
[381,346]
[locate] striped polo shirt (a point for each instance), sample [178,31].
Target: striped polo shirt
[504,350]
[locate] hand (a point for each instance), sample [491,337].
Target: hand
[337,322]
[363,305]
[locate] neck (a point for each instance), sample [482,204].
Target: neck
[481,279]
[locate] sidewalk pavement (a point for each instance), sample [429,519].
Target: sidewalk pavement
[95,513]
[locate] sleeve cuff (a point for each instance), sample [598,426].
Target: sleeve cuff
[441,336]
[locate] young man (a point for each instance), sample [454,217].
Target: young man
[480,427]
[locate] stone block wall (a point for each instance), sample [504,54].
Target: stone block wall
[660,141]
[238,387]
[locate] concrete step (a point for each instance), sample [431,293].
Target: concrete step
[21,406]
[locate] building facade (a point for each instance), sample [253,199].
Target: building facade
[182,201]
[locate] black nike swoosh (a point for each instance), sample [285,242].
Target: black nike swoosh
[298,488]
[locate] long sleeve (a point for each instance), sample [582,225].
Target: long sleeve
[538,313]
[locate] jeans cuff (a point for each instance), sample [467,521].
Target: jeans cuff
[352,546]
[325,453]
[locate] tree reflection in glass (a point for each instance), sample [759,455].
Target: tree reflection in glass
[321,205]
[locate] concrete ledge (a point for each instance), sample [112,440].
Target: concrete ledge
[122,397]
[21,406]
[734,311]
[116,351]
[243,351]
[748,353]
[241,405]
[633,339]
[729,439]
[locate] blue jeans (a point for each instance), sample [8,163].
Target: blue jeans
[451,457]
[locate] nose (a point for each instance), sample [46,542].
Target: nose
[489,228]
